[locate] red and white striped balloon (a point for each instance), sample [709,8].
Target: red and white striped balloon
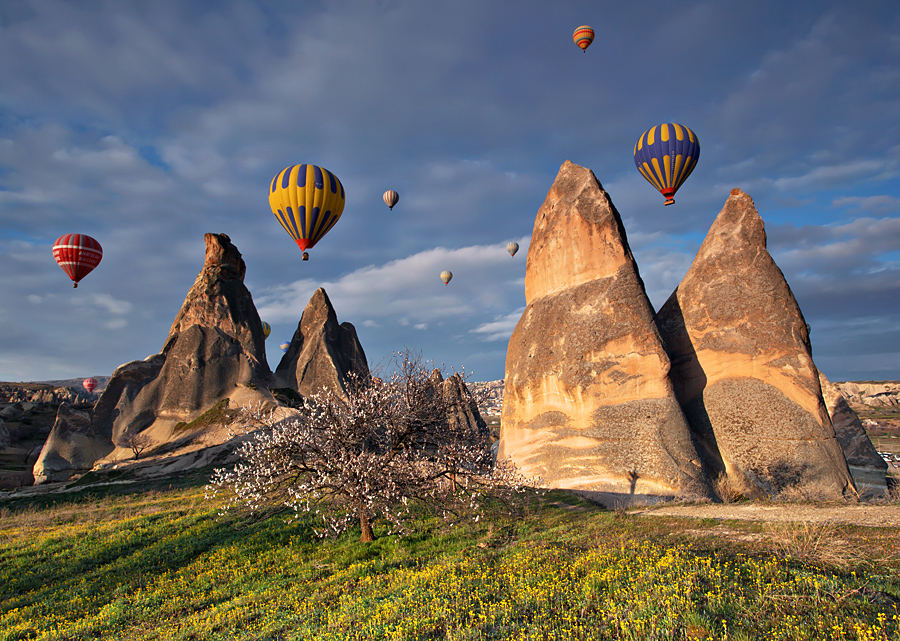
[77,254]
[90,384]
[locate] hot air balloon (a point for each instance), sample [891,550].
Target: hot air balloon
[284,347]
[77,254]
[390,198]
[90,384]
[583,37]
[666,155]
[307,201]
[267,329]
[446,276]
[512,247]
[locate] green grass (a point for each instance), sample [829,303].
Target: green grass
[162,564]
[218,414]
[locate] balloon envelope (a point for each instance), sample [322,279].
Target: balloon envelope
[90,384]
[267,329]
[284,347]
[666,155]
[446,276]
[77,254]
[307,201]
[512,247]
[583,37]
[390,198]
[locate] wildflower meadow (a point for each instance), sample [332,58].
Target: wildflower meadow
[165,564]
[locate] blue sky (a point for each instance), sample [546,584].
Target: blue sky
[147,124]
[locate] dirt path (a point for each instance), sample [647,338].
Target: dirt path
[865,515]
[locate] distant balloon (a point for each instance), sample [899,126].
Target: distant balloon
[90,384]
[77,254]
[583,37]
[267,329]
[512,247]
[284,347]
[390,198]
[446,276]
[307,201]
[666,155]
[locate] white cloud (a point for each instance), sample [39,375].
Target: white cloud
[111,305]
[501,328]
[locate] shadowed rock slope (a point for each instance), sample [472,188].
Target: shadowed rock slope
[322,352]
[588,404]
[743,367]
[866,466]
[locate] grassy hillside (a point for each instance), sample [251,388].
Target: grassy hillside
[162,564]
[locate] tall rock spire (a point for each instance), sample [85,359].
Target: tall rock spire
[743,367]
[214,350]
[588,404]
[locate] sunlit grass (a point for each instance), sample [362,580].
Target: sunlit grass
[165,565]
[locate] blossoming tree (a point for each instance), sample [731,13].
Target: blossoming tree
[385,447]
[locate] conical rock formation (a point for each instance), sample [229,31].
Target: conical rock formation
[588,404]
[866,466]
[465,417]
[215,345]
[322,351]
[743,368]
[214,350]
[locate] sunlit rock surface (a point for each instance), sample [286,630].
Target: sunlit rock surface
[588,404]
[743,368]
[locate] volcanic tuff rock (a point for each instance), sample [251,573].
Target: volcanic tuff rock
[588,404]
[884,394]
[743,368]
[465,416]
[866,466]
[73,446]
[322,352]
[4,434]
[215,345]
[214,350]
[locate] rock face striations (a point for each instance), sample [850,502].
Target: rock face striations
[322,351]
[588,404]
[743,368]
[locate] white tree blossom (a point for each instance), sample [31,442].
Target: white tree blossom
[386,447]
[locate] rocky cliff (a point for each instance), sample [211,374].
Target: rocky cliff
[743,367]
[588,404]
[883,394]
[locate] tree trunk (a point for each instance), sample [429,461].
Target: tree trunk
[366,535]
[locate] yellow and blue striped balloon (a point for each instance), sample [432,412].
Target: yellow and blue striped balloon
[307,201]
[666,155]
[267,329]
